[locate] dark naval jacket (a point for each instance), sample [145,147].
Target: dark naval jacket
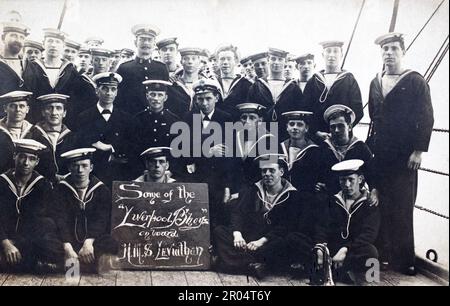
[345,90]
[131,94]
[402,121]
[20,214]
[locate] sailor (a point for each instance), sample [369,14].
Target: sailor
[300,152]
[306,66]
[353,224]
[54,134]
[116,60]
[81,208]
[234,87]
[126,54]
[249,69]
[131,97]
[402,115]
[26,235]
[156,161]
[253,241]
[32,50]
[332,86]
[110,130]
[168,50]
[260,63]
[276,93]
[180,93]
[13,126]
[84,61]
[71,50]
[290,68]
[214,65]
[56,75]
[11,64]
[101,60]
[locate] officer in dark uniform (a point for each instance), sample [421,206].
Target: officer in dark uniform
[132,94]
[110,130]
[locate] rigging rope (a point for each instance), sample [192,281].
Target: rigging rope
[436,56]
[394,16]
[431,211]
[441,57]
[353,33]
[424,26]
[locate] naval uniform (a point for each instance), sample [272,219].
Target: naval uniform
[7,144]
[318,97]
[402,123]
[84,217]
[69,82]
[255,216]
[236,94]
[180,98]
[131,95]
[23,219]
[51,163]
[355,228]
[120,132]
[10,80]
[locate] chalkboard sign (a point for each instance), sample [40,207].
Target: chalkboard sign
[161,226]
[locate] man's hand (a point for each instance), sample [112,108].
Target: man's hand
[87,252]
[102,146]
[373,198]
[323,135]
[320,187]
[12,254]
[254,245]
[415,160]
[338,259]
[69,253]
[239,242]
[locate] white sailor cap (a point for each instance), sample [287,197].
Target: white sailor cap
[55,33]
[331,43]
[339,108]
[145,29]
[16,27]
[100,52]
[348,167]
[297,115]
[251,108]
[190,51]
[72,44]
[278,52]
[33,44]
[15,96]
[78,154]
[28,146]
[156,152]
[156,85]
[53,98]
[390,37]
[94,41]
[107,78]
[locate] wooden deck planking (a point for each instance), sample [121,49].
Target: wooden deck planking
[60,280]
[168,278]
[107,279]
[131,278]
[202,278]
[23,280]
[236,280]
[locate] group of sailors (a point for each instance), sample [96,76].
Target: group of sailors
[77,118]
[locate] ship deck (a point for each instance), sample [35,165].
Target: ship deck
[200,278]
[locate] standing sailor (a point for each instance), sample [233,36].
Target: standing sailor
[332,86]
[71,50]
[168,50]
[402,114]
[306,66]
